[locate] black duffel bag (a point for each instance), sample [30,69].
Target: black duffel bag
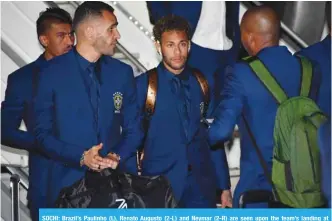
[114,189]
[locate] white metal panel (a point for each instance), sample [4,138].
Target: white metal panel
[19,30]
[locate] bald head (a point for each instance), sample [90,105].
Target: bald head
[260,24]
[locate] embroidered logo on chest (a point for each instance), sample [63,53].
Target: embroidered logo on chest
[117,99]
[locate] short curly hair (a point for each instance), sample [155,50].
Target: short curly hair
[171,23]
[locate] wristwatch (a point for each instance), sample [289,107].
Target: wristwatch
[117,155]
[82,159]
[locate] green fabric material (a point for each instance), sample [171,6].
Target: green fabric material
[296,159]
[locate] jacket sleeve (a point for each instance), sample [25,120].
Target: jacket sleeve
[12,110]
[132,131]
[44,104]
[234,22]
[229,108]
[219,159]
[217,152]
[157,9]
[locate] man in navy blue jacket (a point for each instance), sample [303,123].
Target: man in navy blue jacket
[85,109]
[55,35]
[321,54]
[175,144]
[244,95]
[216,34]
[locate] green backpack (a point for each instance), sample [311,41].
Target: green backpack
[296,170]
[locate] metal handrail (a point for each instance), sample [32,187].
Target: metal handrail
[15,190]
[24,180]
[131,58]
[134,20]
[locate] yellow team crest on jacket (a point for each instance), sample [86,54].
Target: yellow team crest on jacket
[117,99]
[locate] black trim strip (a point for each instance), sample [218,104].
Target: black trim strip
[301,75]
[288,176]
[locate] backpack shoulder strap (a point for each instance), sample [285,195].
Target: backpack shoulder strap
[263,74]
[306,75]
[151,95]
[204,86]
[150,104]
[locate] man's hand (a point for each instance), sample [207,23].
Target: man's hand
[92,159]
[110,161]
[226,199]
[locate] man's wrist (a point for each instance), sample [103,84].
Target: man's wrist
[220,191]
[117,156]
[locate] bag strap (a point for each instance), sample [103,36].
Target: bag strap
[151,95]
[153,87]
[150,104]
[204,87]
[261,159]
[306,75]
[263,74]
